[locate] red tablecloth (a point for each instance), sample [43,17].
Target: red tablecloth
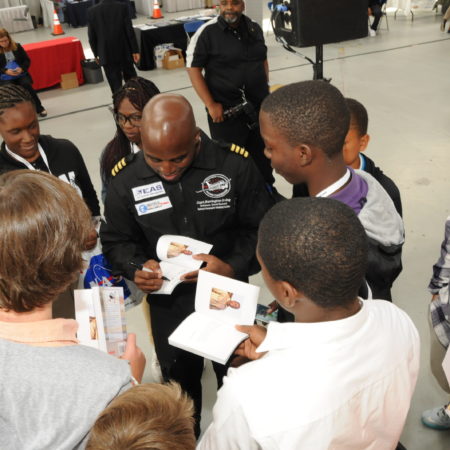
[50,59]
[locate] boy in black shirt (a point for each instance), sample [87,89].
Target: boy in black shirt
[356,142]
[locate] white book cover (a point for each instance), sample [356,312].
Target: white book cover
[220,304]
[100,313]
[175,254]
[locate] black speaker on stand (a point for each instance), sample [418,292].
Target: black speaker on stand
[307,23]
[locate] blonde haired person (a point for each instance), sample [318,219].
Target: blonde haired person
[52,388]
[14,66]
[148,416]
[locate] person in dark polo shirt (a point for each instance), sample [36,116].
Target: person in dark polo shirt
[231,51]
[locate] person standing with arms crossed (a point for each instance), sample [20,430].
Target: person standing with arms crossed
[231,51]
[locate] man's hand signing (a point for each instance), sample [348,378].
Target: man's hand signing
[149,281]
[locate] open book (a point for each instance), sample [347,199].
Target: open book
[175,254]
[100,313]
[220,304]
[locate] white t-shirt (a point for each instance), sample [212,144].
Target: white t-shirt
[344,384]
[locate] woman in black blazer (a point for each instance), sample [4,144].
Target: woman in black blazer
[14,65]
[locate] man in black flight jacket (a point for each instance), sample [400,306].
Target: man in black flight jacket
[182,183]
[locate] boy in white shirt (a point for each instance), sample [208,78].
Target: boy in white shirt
[344,371]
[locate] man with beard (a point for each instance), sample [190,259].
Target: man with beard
[231,51]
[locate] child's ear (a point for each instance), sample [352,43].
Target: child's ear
[288,295]
[304,154]
[363,142]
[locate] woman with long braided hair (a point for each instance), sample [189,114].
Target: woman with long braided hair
[24,147]
[128,102]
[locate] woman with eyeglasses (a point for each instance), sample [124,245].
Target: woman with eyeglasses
[128,102]
[14,65]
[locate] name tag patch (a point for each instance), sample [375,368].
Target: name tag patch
[153,206]
[148,191]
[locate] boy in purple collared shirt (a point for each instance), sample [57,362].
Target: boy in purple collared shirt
[304,126]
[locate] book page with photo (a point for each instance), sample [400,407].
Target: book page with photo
[220,304]
[175,255]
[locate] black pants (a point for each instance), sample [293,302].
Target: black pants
[26,83]
[117,72]
[377,13]
[236,131]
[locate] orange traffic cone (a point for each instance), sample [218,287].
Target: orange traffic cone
[57,28]
[157,14]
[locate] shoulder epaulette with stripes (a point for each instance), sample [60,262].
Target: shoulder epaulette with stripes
[239,150]
[122,163]
[232,148]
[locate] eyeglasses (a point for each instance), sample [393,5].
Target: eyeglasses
[133,119]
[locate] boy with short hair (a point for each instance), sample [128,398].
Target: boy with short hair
[304,127]
[148,416]
[52,388]
[345,371]
[356,142]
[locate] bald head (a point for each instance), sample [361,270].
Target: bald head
[168,115]
[170,137]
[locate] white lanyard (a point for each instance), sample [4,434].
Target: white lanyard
[27,163]
[336,185]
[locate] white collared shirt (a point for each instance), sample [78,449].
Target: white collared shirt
[344,384]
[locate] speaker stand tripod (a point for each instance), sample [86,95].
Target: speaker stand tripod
[318,64]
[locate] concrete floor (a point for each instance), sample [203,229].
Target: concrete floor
[401,76]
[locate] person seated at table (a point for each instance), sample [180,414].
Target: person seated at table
[14,64]
[52,388]
[128,103]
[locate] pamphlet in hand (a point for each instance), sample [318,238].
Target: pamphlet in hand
[175,254]
[100,313]
[220,304]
